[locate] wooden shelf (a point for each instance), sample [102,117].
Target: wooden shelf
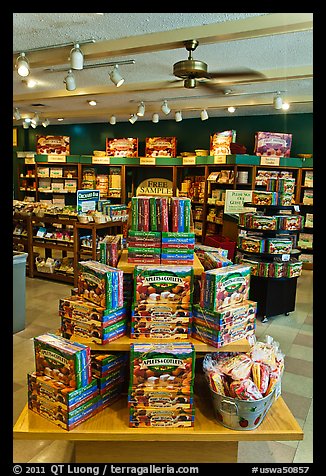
[112,424]
[55,276]
[123,344]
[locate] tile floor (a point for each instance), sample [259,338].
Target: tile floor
[294,332]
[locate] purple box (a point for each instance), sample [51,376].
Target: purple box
[274,144]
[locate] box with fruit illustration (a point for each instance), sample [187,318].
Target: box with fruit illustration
[163,284]
[58,358]
[161,147]
[162,417]
[74,307]
[122,147]
[160,398]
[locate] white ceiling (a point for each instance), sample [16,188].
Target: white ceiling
[278,45]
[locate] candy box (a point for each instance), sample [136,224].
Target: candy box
[101,284]
[159,417]
[122,147]
[163,284]
[62,360]
[160,147]
[58,393]
[116,377]
[224,287]
[285,199]
[110,396]
[75,307]
[103,364]
[277,269]
[170,365]
[292,222]
[220,142]
[161,311]
[160,330]
[252,263]
[273,144]
[160,398]
[278,245]
[201,249]
[224,318]
[293,269]
[252,245]
[71,328]
[262,197]
[53,145]
[260,222]
[54,413]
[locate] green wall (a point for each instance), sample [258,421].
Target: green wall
[191,134]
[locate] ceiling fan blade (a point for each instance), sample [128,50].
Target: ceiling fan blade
[211,86]
[241,73]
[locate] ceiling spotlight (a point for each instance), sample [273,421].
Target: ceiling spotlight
[165,108]
[277,101]
[178,116]
[17,115]
[133,118]
[22,65]
[70,81]
[204,115]
[285,106]
[26,124]
[33,124]
[60,118]
[116,77]
[113,120]
[76,57]
[92,102]
[45,122]
[35,119]
[141,109]
[31,83]
[155,117]
[231,109]
[27,119]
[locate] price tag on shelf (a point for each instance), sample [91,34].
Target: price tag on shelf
[286,257]
[147,161]
[270,160]
[296,208]
[191,160]
[56,158]
[101,160]
[29,160]
[219,159]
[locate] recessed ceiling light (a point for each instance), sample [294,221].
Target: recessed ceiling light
[92,102]
[231,109]
[60,118]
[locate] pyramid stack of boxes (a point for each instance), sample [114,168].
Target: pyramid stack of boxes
[159,233]
[64,388]
[162,306]
[224,314]
[98,312]
[161,385]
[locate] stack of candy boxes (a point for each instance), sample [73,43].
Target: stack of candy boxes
[279,191]
[162,306]
[224,313]
[63,387]
[161,231]
[97,313]
[161,385]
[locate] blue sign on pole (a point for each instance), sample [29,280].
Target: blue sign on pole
[87,200]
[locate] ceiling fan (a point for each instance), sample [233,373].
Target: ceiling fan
[191,70]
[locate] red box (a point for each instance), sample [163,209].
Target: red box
[220,241]
[122,147]
[161,147]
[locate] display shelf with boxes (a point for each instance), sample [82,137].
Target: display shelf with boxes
[267,242]
[57,182]
[26,176]
[305,203]
[103,177]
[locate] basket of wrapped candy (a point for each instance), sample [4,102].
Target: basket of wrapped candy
[244,386]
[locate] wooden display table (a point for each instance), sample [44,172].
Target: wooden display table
[107,438]
[129,267]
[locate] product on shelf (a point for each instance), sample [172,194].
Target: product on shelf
[149,214]
[177,248]
[278,245]
[273,144]
[211,257]
[285,199]
[220,142]
[163,284]
[263,175]
[251,381]
[53,145]
[99,333]
[62,360]
[309,179]
[100,283]
[110,250]
[262,197]
[224,287]
[308,197]
[161,385]
[122,147]
[218,328]
[251,244]
[103,363]
[75,307]
[160,147]
[291,222]
[181,215]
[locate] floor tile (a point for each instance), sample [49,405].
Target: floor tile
[24,450]
[303,339]
[265,452]
[56,452]
[309,319]
[297,384]
[298,404]
[300,352]
[298,366]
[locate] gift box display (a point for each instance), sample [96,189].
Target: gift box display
[275,144]
[161,385]
[177,248]
[122,147]
[160,147]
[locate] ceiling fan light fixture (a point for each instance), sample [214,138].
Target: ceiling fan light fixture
[116,77]
[204,115]
[133,118]
[113,120]
[141,109]
[190,83]
[22,65]
[70,81]
[76,57]
[178,116]
[165,108]
[17,115]
[277,101]
[155,118]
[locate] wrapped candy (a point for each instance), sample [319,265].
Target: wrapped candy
[246,390]
[216,382]
[237,367]
[260,376]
